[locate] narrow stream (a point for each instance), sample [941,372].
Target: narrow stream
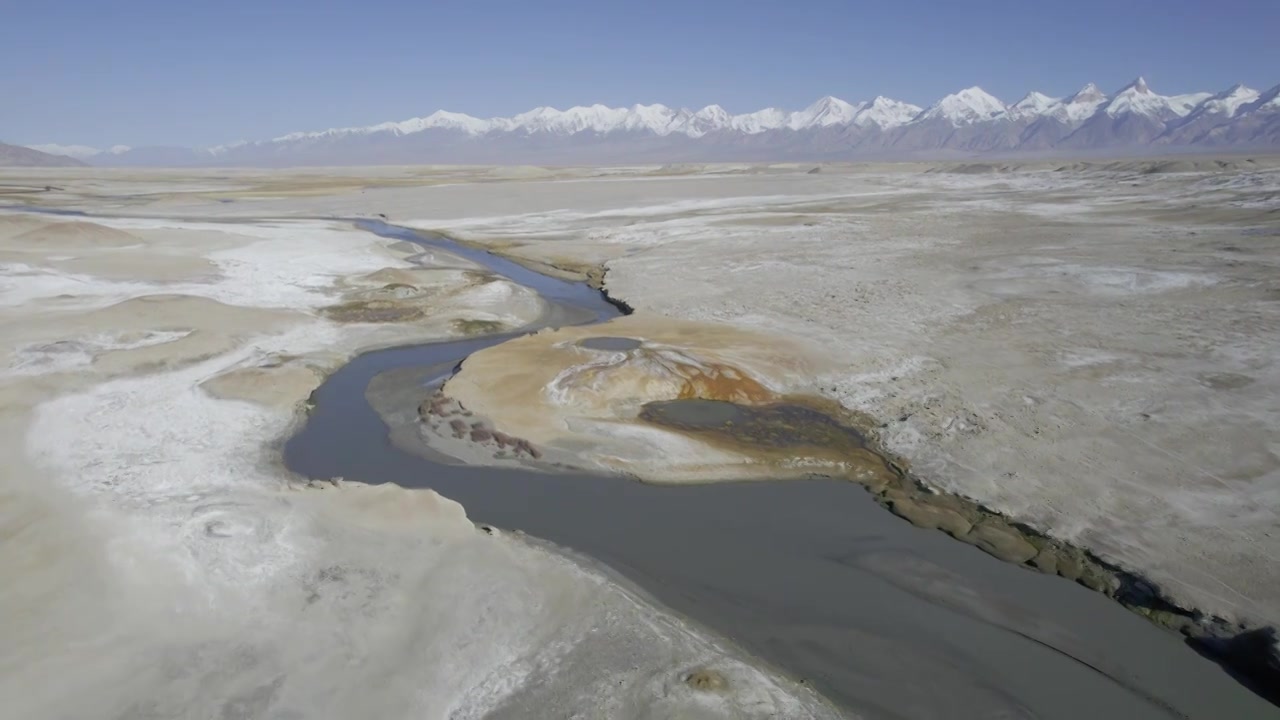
[884,618]
[567,292]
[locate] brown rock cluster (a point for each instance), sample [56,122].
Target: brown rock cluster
[440,410]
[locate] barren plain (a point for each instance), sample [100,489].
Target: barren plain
[1061,358]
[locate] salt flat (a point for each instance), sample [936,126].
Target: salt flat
[158,561]
[1088,348]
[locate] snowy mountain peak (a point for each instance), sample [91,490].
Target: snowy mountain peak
[1080,106]
[1035,99]
[696,124]
[656,118]
[1184,104]
[1088,94]
[1139,85]
[1234,96]
[588,118]
[966,107]
[760,121]
[1226,103]
[825,102]
[539,119]
[825,112]
[542,111]
[1137,98]
[885,113]
[1034,104]
[1268,101]
[446,119]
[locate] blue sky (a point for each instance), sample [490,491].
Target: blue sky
[146,72]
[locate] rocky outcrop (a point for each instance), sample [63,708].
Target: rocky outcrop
[444,415]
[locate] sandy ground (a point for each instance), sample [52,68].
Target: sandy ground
[1088,347]
[158,562]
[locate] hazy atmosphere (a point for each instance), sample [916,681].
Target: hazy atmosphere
[449,361]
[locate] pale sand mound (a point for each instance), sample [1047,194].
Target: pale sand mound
[551,390]
[145,266]
[77,235]
[142,334]
[12,225]
[389,508]
[520,172]
[215,328]
[84,248]
[415,277]
[450,301]
[275,383]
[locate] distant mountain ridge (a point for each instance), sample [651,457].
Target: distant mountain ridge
[21,156]
[968,122]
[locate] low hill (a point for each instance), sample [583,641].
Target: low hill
[17,156]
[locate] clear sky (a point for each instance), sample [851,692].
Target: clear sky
[199,72]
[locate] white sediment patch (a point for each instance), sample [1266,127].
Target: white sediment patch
[1094,280]
[21,283]
[69,354]
[292,264]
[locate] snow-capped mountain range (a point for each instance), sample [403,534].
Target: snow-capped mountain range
[658,120]
[968,122]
